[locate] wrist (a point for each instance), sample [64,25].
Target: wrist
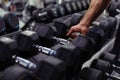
[84,24]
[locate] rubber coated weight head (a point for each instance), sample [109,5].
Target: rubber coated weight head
[2,26]
[104,66]
[91,74]
[61,10]
[85,43]
[47,64]
[7,45]
[108,57]
[73,6]
[53,13]
[97,35]
[84,4]
[76,18]
[45,30]
[62,26]
[67,7]
[17,73]
[112,8]
[40,16]
[26,39]
[12,22]
[113,23]
[67,52]
[79,5]
[105,25]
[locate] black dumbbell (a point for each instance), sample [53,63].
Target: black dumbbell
[74,6]
[11,22]
[18,72]
[105,66]
[63,25]
[108,57]
[52,66]
[94,74]
[109,26]
[85,4]
[97,35]
[112,9]
[49,2]
[42,63]
[61,10]
[90,74]
[67,7]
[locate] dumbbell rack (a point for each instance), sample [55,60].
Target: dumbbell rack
[113,46]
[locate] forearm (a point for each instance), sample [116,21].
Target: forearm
[95,9]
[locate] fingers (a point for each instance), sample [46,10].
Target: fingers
[74,35]
[69,32]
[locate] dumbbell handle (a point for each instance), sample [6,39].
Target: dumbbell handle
[25,63]
[113,77]
[60,40]
[45,50]
[116,68]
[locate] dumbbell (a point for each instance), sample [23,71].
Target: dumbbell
[112,9]
[90,74]
[108,57]
[95,74]
[105,66]
[49,2]
[97,35]
[103,31]
[74,6]
[9,23]
[42,63]
[109,26]
[35,64]
[63,25]
[19,73]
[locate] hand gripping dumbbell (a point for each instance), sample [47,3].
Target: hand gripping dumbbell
[95,74]
[16,72]
[8,57]
[63,25]
[84,43]
[45,33]
[105,67]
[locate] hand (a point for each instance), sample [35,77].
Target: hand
[81,28]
